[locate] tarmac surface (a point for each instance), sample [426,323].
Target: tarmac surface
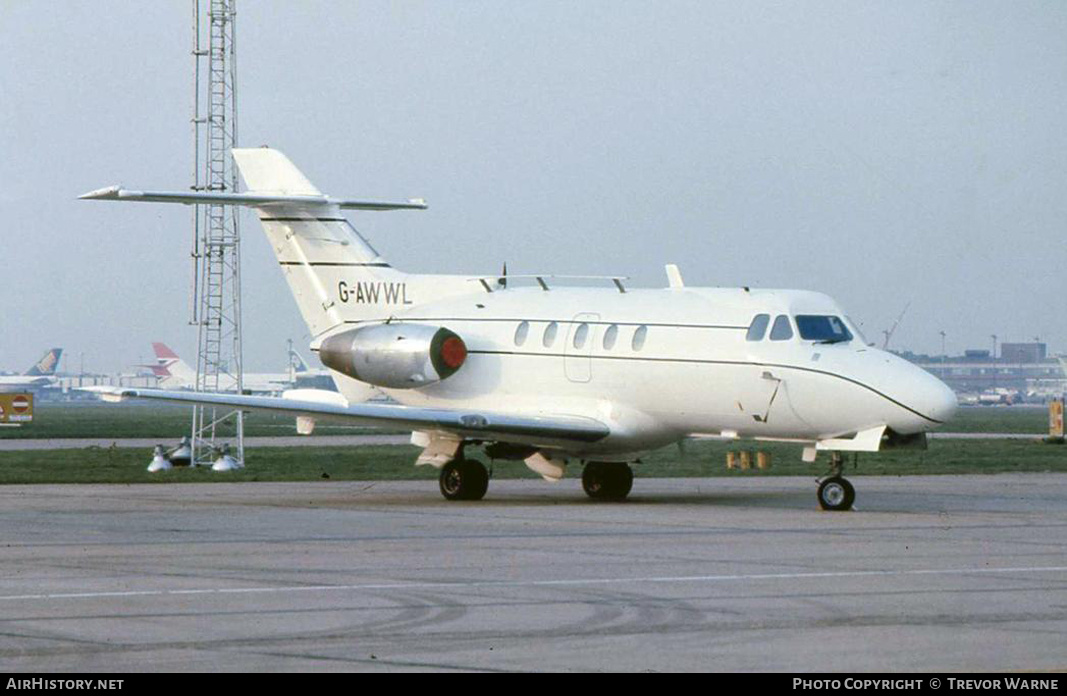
[931,573]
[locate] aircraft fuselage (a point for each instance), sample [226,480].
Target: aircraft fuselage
[658,365]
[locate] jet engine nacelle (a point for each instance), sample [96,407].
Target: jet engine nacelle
[396,356]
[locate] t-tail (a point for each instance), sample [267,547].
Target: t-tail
[335,275]
[46,366]
[333,272]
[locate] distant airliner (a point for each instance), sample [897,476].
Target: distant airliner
[550,374]
[42,374]
[174,373]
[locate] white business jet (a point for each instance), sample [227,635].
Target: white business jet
[550,374]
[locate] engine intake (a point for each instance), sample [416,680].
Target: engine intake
[396,356]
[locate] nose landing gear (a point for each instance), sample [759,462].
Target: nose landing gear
[835,492]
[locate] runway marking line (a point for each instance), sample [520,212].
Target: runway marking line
[575,582]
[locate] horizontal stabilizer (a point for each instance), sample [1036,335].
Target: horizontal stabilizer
[253,200]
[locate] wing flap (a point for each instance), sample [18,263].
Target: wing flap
[542,430]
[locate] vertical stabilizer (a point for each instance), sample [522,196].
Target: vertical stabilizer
[46,366]
[298,362]
[174,373]
[333,272]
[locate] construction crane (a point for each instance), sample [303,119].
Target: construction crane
[888,333]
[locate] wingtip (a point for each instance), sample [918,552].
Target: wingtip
[109,192]
[106,393]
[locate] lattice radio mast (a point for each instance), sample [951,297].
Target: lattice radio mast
[216,301]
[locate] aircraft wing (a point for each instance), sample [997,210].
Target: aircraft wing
[473,423]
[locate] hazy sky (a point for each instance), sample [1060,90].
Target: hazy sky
[884,153]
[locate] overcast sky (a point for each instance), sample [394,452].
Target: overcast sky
[884,153]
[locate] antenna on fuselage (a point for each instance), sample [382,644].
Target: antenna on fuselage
[674,276]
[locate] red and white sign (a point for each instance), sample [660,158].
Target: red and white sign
[20,404]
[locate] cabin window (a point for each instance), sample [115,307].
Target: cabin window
[824,329]
[580,335]
[758,328]
[521,333]
[610,336]
[640,335]
[782,329]
[550,335]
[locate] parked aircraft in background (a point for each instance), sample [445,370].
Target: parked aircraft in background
[174,373]
[171,371]
[550,374]
[42,374]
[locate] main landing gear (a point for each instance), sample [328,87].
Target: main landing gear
[607,480]
[835,492]
[464,479]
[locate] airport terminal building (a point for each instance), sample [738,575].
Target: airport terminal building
[1022,372]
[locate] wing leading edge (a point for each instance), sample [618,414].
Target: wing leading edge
[486,425]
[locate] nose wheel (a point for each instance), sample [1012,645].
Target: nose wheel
[835,492]
[607,480]
[464,479]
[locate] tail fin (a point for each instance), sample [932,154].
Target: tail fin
[159,371]
[164,353]
[299,365]
[267,171]
[46,366]
[174,371]
[335,275]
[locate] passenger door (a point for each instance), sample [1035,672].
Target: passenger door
[577,351]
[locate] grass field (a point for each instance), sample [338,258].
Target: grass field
[116,465]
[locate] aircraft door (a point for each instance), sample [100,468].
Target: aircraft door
[577,351]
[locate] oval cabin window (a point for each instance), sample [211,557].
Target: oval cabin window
[550,335]
[521,333]
[580,335]
[639,338]
[610,336]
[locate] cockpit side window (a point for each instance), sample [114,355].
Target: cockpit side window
[758,328]
[824,329]
[782,329]
[857,331]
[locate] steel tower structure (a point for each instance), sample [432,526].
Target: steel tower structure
[216,299]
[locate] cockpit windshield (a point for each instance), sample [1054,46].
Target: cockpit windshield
[822,329]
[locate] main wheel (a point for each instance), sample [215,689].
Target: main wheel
[836,493]
[607,480]
[464,479]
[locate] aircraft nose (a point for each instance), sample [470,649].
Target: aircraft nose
[936,400]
